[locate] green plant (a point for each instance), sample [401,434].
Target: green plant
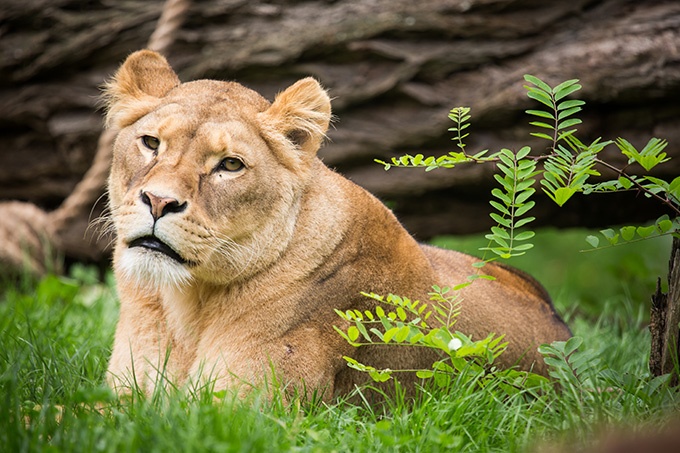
[566,170]
[406,322]
[570,163]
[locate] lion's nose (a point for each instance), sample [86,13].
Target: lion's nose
[162,205]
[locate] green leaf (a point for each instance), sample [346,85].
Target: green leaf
[570,104]
[674,189]
[540,97]
[353,333]
[658,182]
[524,235]
[501,196]
[341,314]
[425,374]
[521,222]
[498,239]
[416,338]
[379,311]
[402,334]
[568,112]
[564,135]
[524,185]
[564,85]
[380,376]
[543,125]
[541,135]
[593,241]
[362,330]
[499,207]
[625,182]
[650,156]
[562,195]
[538,82]
[568,123]
[500,232]
[611,236]
[564,89]
[572,345]
[502,221]
[526,164]
[647,231]
[401,314]
[552,179]
[389,334]
[522,197]
[627,233]
[522,153]
[664,226]
[541,113]
[507,157]
[377,333]
[520,211]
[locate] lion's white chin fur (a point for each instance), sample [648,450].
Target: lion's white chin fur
[148,268]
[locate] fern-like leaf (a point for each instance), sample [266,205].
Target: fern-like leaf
[649,157]
[559,113]
[512,202]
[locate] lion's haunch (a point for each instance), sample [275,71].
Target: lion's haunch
[235,244]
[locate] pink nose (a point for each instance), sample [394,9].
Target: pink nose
[160,206]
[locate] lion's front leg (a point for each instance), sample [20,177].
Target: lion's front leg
[142,356]
[302,362]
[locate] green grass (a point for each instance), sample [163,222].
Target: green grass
[55,337]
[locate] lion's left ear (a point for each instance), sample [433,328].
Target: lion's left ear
[302,113]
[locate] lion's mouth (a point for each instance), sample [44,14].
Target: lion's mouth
[155,244]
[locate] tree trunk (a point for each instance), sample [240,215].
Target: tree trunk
[665,321]
[394,67]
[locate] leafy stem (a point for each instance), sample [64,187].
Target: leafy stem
[640,187]
[559,111]
[460,116]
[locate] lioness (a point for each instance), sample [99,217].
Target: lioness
[235,243]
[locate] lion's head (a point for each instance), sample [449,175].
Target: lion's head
[207,176]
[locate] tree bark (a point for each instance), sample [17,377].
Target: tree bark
[395,69]
[665,321]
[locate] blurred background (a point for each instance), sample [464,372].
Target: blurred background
[394,68]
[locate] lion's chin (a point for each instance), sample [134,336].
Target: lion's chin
[150,268]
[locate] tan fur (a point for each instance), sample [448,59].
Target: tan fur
[270,249]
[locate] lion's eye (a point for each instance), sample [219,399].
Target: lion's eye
[151,142]
[231,164]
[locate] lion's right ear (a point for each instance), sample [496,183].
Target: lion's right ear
[137,87]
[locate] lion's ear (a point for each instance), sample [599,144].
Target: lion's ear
[136,88]
[302,113]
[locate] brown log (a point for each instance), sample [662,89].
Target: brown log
[395,68]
